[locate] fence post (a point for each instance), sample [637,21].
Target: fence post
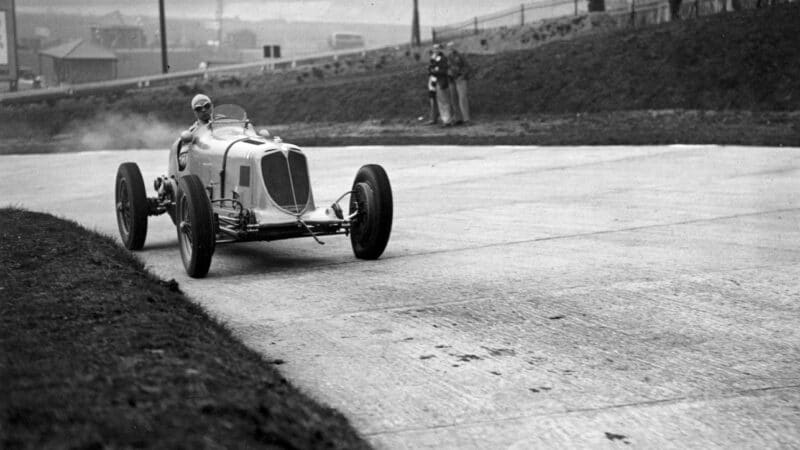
[522,15]
[433,35]
[576,7]
[633,13]
[696,8]
[476,25]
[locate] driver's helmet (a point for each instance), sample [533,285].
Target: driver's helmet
[201,101]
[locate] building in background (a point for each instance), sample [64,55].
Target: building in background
[77,61]
[241,39]
[341,40]
[119,36]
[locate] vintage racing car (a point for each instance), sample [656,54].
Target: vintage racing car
[228,183]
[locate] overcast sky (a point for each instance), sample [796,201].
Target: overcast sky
[432,12]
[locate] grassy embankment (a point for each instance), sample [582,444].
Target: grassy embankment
[97,353]
[731,78]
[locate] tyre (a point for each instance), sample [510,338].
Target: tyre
[132,206]
[372,198]
[195,226]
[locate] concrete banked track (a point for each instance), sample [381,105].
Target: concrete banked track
[528,296]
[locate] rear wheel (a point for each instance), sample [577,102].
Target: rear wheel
[195,226]
[372,198]
[132,207]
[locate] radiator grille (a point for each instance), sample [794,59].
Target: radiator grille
[286,179]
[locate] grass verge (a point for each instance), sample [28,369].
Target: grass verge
[95,352]
[645,127]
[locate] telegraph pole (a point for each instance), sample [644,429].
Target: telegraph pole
[163,25]
[415,40]
[8,44]
[218,16]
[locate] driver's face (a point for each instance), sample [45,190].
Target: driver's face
[203,112]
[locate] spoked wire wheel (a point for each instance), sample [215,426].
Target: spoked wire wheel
[196,236]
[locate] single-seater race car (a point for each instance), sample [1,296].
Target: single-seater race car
[228,183]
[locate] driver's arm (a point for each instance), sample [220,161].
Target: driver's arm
[183,155]
[183,148]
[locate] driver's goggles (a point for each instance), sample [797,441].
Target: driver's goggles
[205,107]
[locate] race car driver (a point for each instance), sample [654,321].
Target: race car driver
[203,109]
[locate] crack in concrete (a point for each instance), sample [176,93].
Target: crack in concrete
[593,233]
[644,403]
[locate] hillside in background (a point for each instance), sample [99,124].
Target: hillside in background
[748,60]
[742,61]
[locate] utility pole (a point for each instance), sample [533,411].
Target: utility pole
[415,40]
[163,31]
[8,44]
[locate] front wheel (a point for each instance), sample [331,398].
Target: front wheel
[131,205]
[195,226]
[371,199]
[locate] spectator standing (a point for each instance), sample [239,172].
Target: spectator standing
[459,72]
[438,68]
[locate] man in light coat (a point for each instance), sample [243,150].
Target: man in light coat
[459,71]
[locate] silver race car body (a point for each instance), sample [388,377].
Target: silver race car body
[227,183]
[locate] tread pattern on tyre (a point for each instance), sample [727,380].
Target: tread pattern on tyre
[202,225]
[137,229]
[381,224]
